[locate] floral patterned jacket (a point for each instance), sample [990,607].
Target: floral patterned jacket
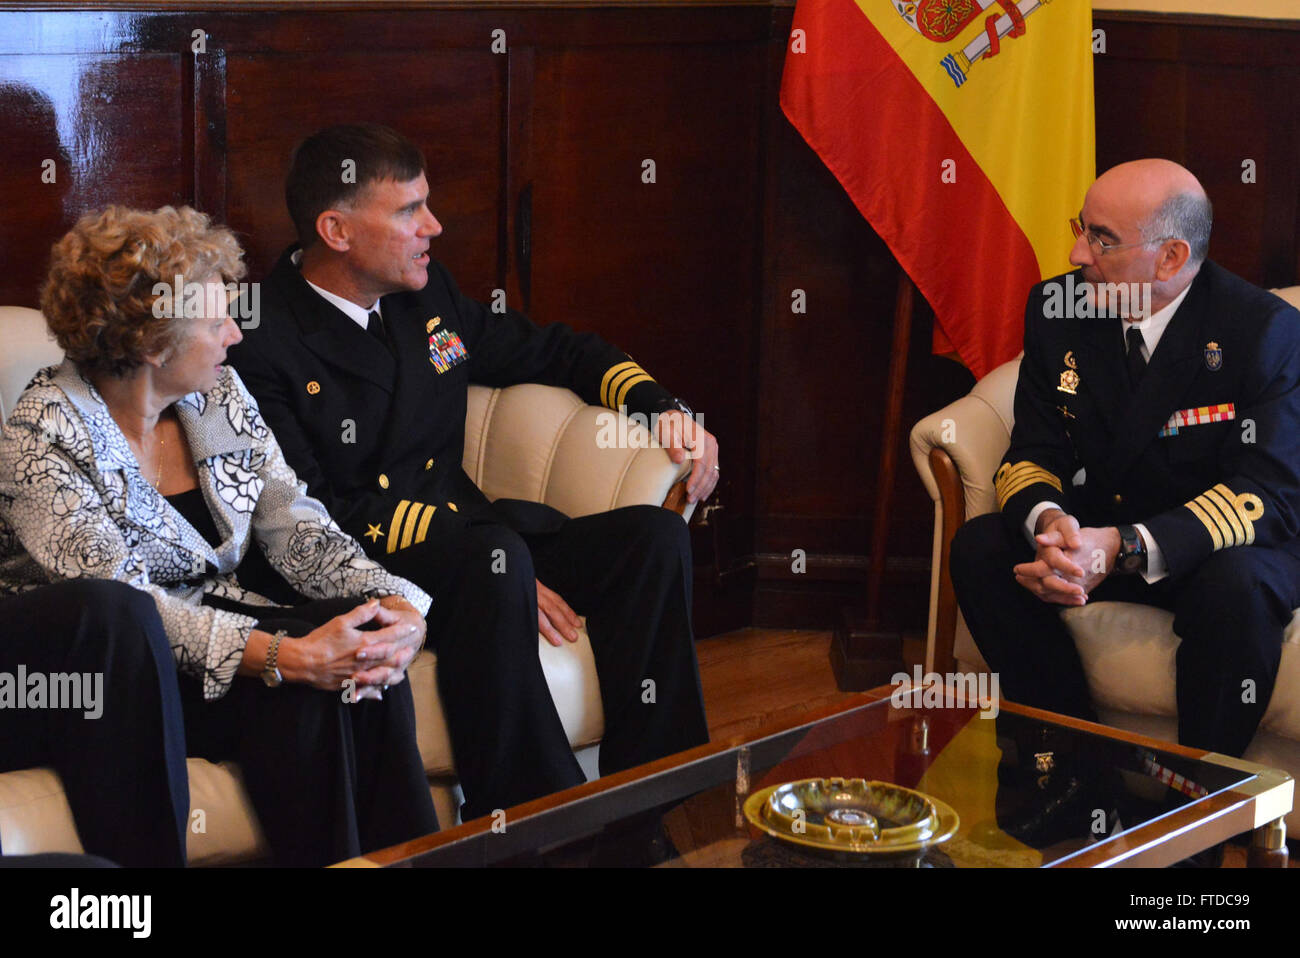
[74,503]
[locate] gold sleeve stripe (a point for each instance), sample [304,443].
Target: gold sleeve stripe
[408,530]
[617,382]
[1015,477]
[1022,469]
[1215,536]
[1226,512]
[1015,487]
[623,390]
[423,528]
[396,524]
[610,373]
[1228,517]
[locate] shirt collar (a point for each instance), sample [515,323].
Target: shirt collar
[1153,327]
[358,314]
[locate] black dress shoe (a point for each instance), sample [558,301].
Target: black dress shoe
[639,843]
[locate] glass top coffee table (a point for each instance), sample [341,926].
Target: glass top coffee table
[1030,788]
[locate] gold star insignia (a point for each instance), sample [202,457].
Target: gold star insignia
[374,532]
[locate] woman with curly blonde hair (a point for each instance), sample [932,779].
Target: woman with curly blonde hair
[142,458]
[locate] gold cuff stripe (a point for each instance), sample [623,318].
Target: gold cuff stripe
[1228,517]
[423,528]
[616,383]
[624,389]
[1015,477]
[1210,527]
[610,373]
[408,529]
[1009,491]
[396,524]
[1010,472]
[1225,510]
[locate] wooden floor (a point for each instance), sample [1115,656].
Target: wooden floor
[758,677]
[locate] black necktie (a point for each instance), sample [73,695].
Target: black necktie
[1136,364]
[375,327]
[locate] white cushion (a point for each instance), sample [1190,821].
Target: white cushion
[25,346]
[1128,655]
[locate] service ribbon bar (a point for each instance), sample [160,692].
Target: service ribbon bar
[1223,412]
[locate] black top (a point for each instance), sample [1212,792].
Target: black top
[196,512]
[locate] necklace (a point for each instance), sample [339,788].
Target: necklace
[157,472]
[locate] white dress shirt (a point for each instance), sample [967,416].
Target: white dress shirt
[358,314]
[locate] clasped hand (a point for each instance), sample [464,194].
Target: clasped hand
[1069,562]
[341,651]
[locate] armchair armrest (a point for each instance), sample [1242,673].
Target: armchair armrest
[545,444]
[956,452]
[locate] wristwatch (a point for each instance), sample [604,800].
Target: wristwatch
[675,403]
[1132,556]
[270,674]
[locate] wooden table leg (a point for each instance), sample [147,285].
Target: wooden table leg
[1268,846]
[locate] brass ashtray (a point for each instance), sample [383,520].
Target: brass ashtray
[852,815]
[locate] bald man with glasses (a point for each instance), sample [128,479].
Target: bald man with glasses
[1175,386]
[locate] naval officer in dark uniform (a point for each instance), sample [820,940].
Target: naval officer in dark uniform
[360,361]
[1185,421]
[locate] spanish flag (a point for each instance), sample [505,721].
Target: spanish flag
[963,132]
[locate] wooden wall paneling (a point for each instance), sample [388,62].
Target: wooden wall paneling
[665,269]
[208,133]
[113,125]
[1210,96]
[822,390]
[516,248]
[451,105]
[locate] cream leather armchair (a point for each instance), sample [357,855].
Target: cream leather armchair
[1127,650]
[525,442]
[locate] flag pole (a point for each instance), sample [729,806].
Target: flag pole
[863,653]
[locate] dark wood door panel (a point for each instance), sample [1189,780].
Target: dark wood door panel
[1212,97]
[114,127]
[682,244]
[665,269]
[669,270]
[451,105]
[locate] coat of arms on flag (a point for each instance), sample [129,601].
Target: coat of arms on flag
[943,20]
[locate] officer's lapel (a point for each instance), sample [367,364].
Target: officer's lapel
[1168,377]
[406,324]
[337,339]
[1101,369]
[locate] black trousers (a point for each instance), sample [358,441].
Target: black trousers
[329,780]
[1229,615]
[629,572]
[124,772]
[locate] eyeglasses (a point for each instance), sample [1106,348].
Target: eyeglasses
[1100,246]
